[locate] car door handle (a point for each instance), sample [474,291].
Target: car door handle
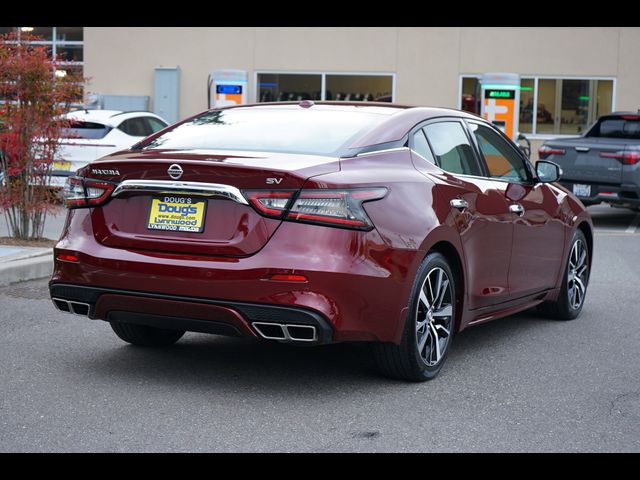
[517,209]
[459,203]
[582,149]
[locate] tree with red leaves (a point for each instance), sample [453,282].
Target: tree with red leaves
[32,101]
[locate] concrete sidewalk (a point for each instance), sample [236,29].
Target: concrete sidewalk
[18,264]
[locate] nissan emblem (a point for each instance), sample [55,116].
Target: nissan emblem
[175,171]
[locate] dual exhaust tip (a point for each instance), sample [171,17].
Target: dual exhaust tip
[70,306]
[270,331]
[286,332]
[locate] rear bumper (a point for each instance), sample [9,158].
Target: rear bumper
[622,195]
[356,288]
[190,314]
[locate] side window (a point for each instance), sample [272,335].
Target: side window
[136,127]
[155,125]
[502,162]
[421,146]
[451,148]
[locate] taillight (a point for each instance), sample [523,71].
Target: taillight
[84,192]
[627,157]
[270,203]
[338,208]
[544,151]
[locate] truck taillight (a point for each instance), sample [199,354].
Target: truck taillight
[627,157]
[81,192]
[544,151]
[338,208]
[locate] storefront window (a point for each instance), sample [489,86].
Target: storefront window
[575,106]
[293,87]
[604,98]
[69,34]
[288,87]
[552,106]
[546,106]
[359,88]
[470,100]
[70,53]
[526,105]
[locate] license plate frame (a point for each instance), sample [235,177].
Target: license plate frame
[176,215]
[581,190]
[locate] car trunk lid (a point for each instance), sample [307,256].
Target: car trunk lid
[211,183]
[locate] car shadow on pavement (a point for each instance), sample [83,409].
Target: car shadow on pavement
[207,361]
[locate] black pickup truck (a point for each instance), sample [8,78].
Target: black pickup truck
[603,165]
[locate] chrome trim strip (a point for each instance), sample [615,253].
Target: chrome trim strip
[185,188]
[386,150]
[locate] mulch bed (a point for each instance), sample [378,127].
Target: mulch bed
[43,242]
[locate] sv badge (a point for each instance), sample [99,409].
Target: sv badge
[273,181]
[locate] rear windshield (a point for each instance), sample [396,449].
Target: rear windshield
[617,128]
[88,130]
[290,130]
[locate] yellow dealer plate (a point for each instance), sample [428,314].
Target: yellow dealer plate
[62,165]
[177,214]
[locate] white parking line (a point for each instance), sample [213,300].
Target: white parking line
[634,224]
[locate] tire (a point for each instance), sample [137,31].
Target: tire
[574,282]
[145,336]
[410,361]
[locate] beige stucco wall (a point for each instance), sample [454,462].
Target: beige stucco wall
[427,61]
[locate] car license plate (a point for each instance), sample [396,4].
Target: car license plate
[580,190]
[177,214]
[62,165]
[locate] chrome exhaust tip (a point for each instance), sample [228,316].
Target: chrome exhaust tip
[70,306]
[301,333]
[291,333]
[270,331]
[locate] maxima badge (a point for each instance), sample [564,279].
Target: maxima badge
[175,171]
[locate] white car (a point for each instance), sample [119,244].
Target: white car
[96,133]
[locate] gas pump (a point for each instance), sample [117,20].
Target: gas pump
[500,93]
[227,87]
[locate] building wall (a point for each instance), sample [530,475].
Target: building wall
[427,61]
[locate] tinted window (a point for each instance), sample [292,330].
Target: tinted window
[617,128]
[136,127]
[88,130]
[155,125]
[296,129]
[502,161]
[421,146]
[451,148]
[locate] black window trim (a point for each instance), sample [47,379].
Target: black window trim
[460,120]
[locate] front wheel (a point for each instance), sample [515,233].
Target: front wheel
[574,283]
[428,330]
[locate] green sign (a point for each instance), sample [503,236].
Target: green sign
[499,94]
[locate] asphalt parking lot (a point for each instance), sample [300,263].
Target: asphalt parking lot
[523,383]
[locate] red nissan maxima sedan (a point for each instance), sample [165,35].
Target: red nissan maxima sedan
[323,222]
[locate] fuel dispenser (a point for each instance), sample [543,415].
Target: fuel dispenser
[227,87]
[500,93]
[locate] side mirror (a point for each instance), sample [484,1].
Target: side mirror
[548,172]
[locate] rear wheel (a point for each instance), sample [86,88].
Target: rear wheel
[574,283]
[428,330]
[146,336]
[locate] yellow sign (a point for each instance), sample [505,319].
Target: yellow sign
[177,214]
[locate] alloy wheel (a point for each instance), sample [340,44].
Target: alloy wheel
[434,315]
[577,275]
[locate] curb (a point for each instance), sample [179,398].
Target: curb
[33,265]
